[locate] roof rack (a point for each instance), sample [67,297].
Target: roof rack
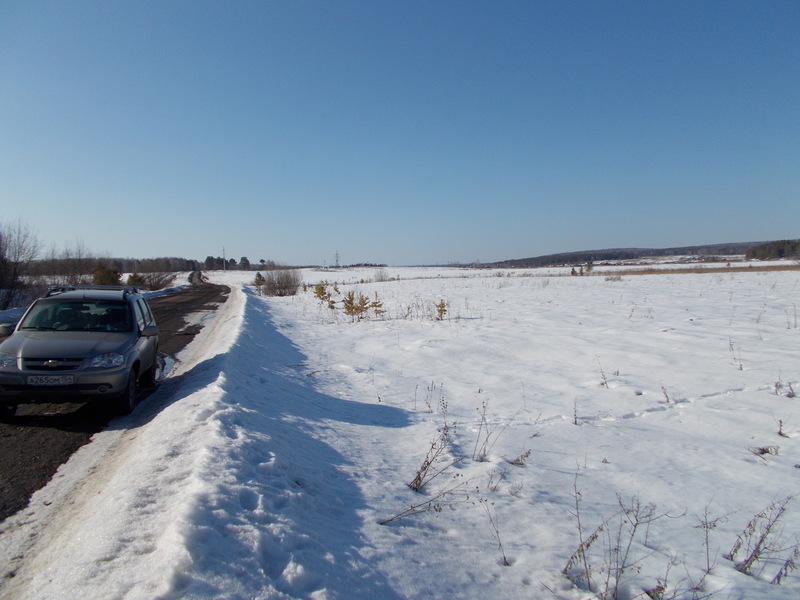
[60,289]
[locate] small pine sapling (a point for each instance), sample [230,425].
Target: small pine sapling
[322,293]
[363,305]
[259,282]
[441,310]
[377,306]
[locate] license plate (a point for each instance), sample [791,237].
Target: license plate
[50,379]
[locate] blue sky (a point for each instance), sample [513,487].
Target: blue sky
[398,132]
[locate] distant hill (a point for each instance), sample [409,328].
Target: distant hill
[597,256]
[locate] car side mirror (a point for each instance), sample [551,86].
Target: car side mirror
[150,331]
[6,329]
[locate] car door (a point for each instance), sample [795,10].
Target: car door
[148,346]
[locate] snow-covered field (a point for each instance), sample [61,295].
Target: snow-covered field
[288,433]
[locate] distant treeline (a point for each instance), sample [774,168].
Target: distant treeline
[71,268]
[219,264]
[779,249]
[707,252]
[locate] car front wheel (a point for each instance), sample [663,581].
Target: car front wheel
[7,411]
[148,378]
[126,401]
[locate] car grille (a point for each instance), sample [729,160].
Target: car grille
[51,364]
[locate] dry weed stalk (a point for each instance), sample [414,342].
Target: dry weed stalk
[763,451]
[618,561]
[756,541]
[789,565]
[428,469]
[491,513]
[708,525]
[487,437]
[602,373]
[448,497]
[521,459]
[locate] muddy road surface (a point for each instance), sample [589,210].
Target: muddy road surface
[41,437]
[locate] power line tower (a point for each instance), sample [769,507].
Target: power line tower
[336,259]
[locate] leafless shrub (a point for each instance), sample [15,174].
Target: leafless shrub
[18,247]
[283,283]
[157,281]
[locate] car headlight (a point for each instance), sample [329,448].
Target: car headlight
[106,361]
[8,361]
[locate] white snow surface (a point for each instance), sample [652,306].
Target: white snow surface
[287,432]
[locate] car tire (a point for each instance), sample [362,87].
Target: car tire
[7,411]
[148,378]
[126,401]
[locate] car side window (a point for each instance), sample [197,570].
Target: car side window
[148,315]
[140,319]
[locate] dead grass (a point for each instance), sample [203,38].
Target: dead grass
[720,268]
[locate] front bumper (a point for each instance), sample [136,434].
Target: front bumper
[15,387]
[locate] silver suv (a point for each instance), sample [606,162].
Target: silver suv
[80,341]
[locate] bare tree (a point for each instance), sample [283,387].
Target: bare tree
[18,247]
[79,260]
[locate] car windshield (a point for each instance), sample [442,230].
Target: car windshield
[78,315]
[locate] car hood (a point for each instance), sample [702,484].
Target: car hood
[65,344]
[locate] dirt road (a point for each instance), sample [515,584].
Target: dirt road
[41,437]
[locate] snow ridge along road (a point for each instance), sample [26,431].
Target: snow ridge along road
[42,437]
[109,523]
